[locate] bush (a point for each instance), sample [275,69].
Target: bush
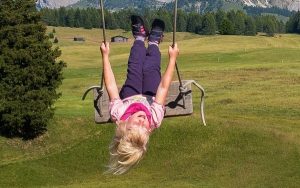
[51,35]
[29,72]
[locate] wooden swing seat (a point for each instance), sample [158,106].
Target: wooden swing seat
[174,102]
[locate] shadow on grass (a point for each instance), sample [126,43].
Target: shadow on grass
[26,132]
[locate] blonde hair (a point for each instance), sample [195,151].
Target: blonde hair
[127,148]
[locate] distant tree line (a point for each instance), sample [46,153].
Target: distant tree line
[225,23]
[271,10]
[293,25]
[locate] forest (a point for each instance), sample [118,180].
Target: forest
[234,22]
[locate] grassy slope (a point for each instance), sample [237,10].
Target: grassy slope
[252,108]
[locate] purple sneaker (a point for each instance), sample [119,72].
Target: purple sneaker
[138,27]
[157,31]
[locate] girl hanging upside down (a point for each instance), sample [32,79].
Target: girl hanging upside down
[139,107]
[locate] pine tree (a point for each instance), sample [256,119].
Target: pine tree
[220,16]
[238,20]
[250,27]
[111,22]
[239,23]
[193,22]
[62,16]
[77,18]
[95,18]
[56,18]
[259,24]
[86,20]
[281,27]
[167,18]
[123,18]
[208,25]
[293,24]
[148,17]
[226,27]
[51,35]
[70,18]
[181,21]
[269,27]
[29,72]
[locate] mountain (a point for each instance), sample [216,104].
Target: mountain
[286,4]
[54,3]
[198,5]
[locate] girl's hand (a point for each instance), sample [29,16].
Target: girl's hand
[104,48]
[173,52]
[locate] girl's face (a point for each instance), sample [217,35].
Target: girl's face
[139,118]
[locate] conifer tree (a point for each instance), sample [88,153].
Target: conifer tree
[281,27]
[193,22]
[95,18]
[250,27]
[62,14]
[208,24]
[86,20]
[220,16]
[239,23]
[269,27]
[259,24]
[29,72]
[293,24]
[77,18]
[181,21]
[70,18]
[167,18]
[226,27]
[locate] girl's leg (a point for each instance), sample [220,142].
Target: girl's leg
[134,82]
[151,70]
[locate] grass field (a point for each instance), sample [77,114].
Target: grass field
[252,110]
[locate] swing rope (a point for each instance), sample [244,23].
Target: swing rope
[104,36]
[174,39]
[100,89]
[183,88]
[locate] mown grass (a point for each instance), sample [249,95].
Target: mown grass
[252,110]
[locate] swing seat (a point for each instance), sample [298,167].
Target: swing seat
[175,104]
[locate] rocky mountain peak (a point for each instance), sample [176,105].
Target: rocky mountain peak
[286,4]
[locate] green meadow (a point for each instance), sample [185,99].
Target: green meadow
[252,110]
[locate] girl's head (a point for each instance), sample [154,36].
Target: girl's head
[139,119]
[128,146]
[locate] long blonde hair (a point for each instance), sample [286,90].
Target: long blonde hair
[127,148]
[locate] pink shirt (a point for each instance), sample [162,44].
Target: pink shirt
[119,109]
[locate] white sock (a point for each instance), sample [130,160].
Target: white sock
[141,38]
[152,43]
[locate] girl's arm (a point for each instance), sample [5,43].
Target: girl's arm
[166,80]
[109,78]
